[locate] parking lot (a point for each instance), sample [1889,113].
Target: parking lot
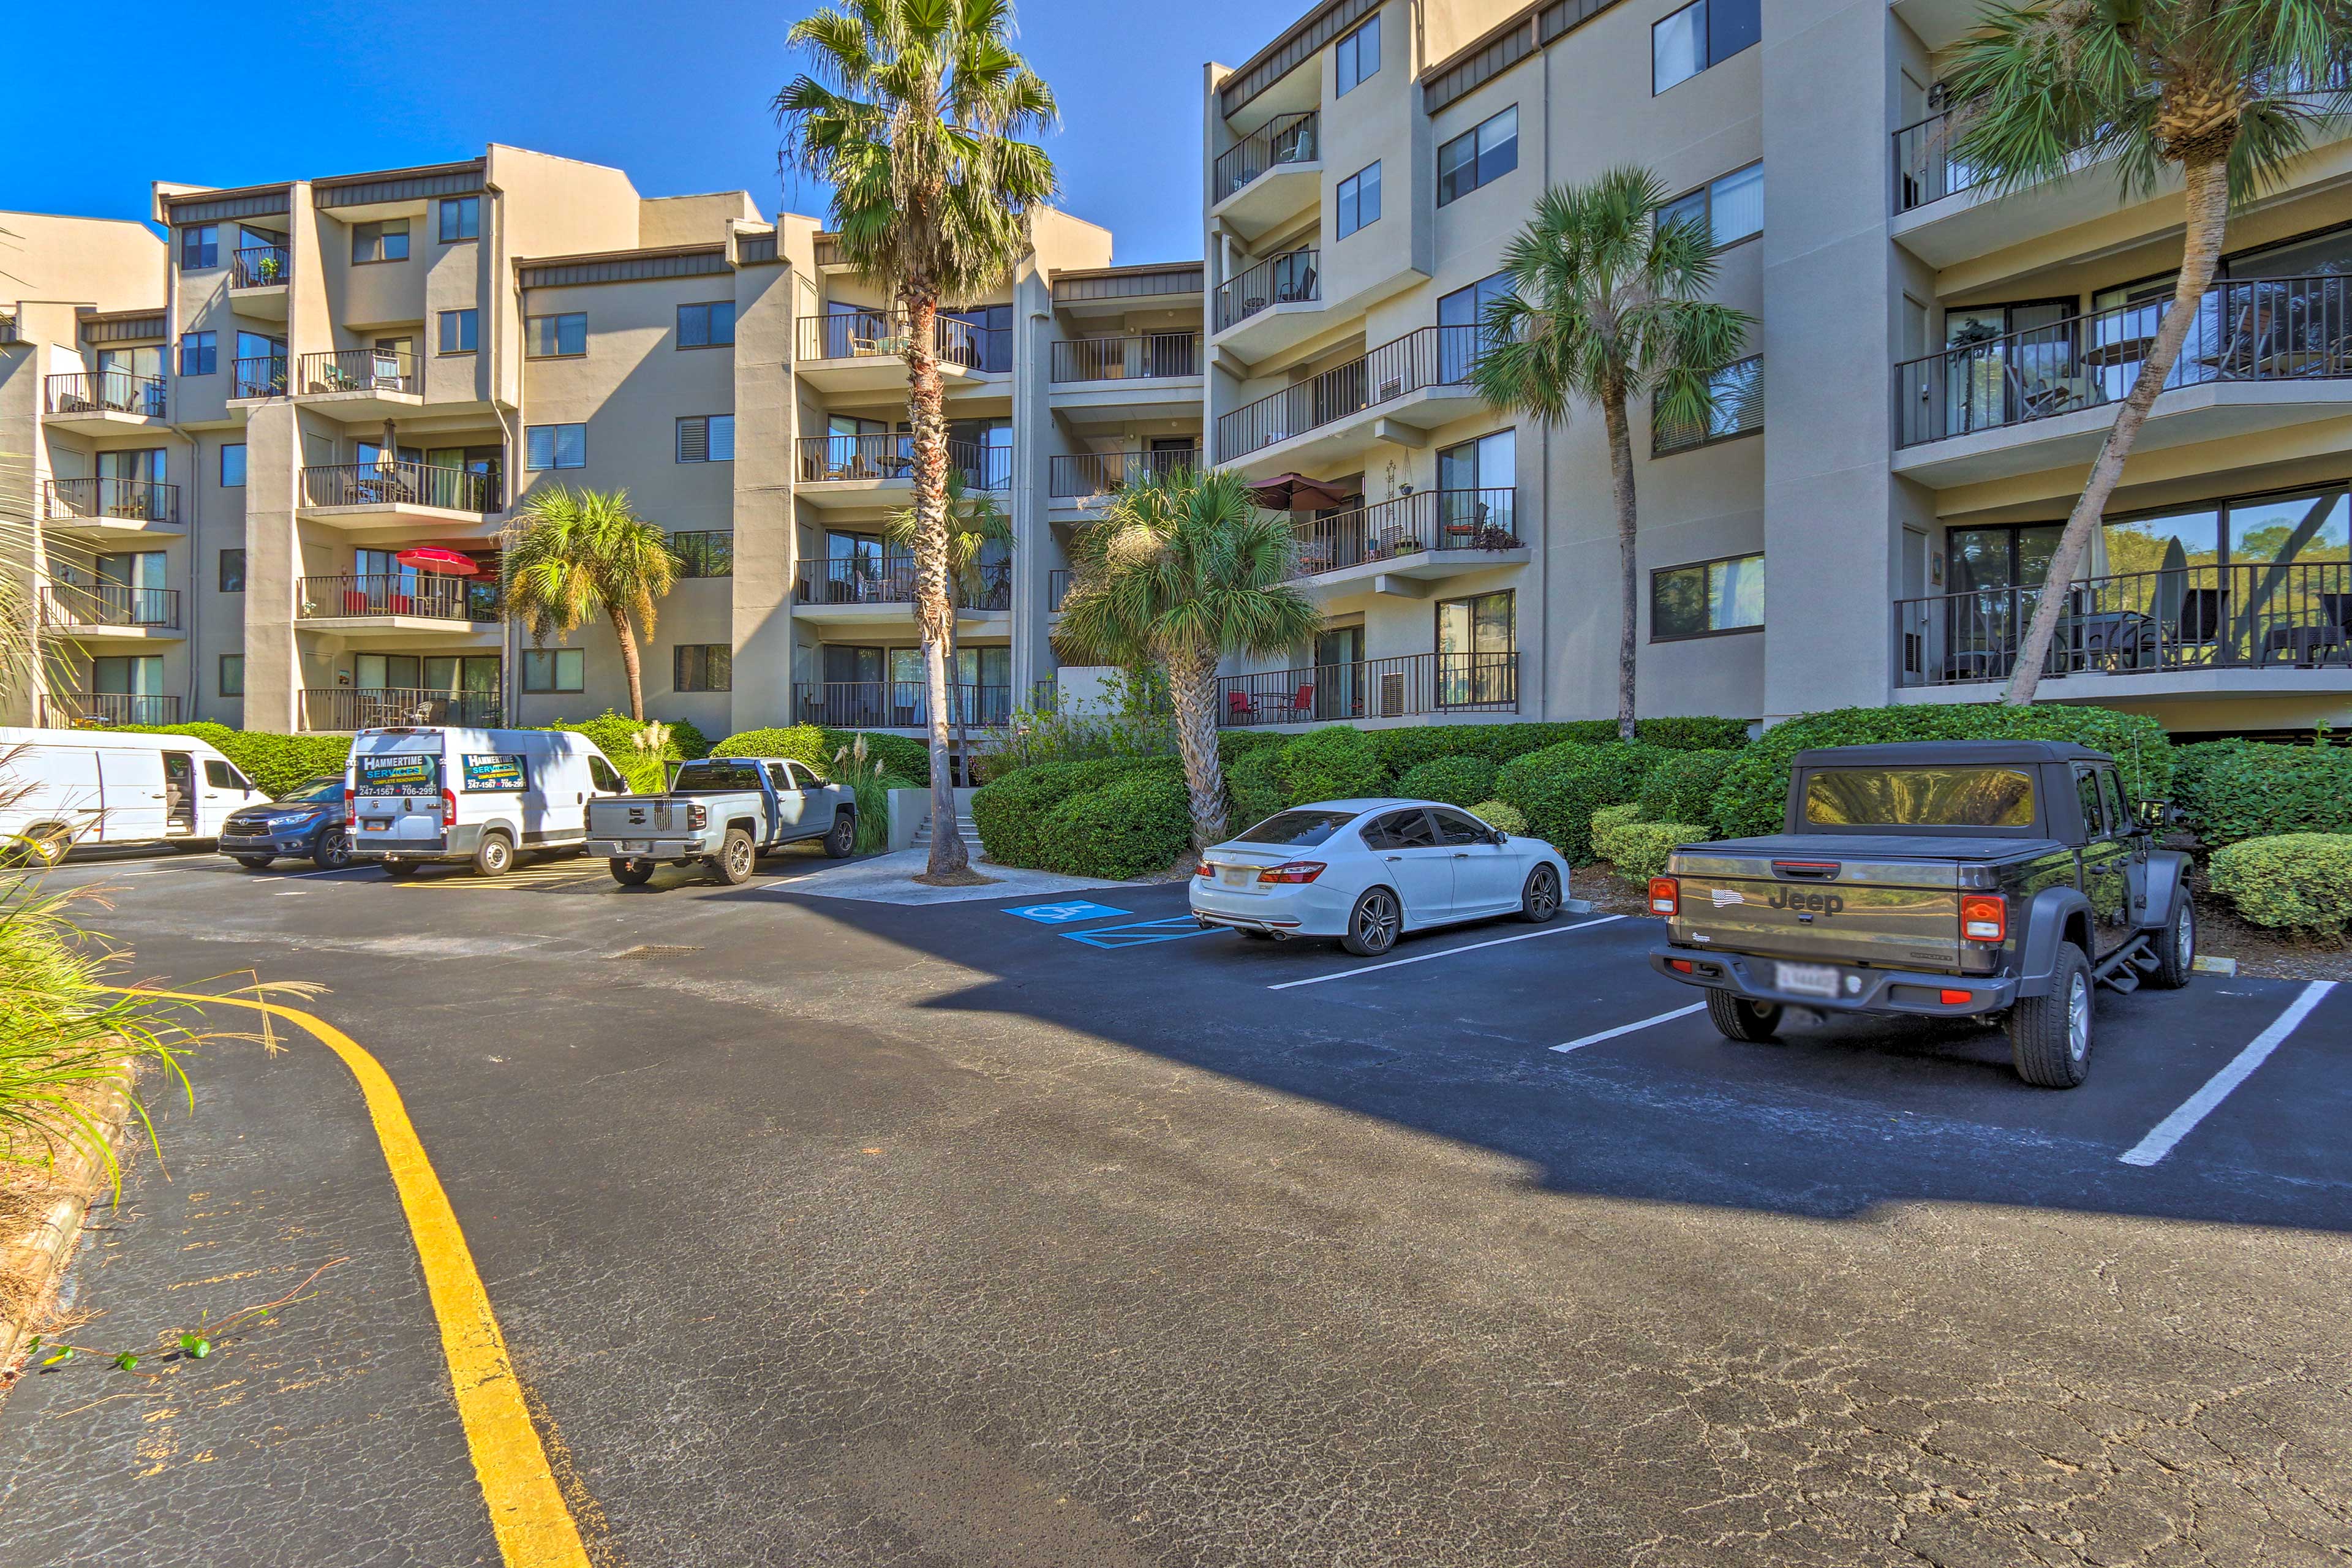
[1030,1230]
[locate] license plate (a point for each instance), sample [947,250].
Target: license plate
[635,846]
[378,824]
[1238,876]
[1806,979]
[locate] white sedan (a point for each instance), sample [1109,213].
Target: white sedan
[1366,871]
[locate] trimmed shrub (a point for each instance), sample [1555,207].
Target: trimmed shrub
[1638,849]
[815,745]
[1561,786]
[2299,883]
[1753,796]
[1010,812]
[1138,822]
[1253,787]
[1456,781]
[1682,788]
[276,763]
[1334,764]
[1500,813]
[614,736]
[692,744]
[1233,743]
[2231,791]
[1692,734]
[1605,823]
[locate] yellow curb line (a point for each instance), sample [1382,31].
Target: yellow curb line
[533,1527]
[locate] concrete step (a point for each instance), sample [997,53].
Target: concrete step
[965,829]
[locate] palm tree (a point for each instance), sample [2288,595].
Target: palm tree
[977,527]
[1179,570]
[2227,91]
[915,125]
[572,555]
[1607,305]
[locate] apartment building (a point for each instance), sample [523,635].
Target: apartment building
[1942,363]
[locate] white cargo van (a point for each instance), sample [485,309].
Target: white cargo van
[432,793]
[63,787]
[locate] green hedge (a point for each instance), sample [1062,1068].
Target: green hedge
[815,745]
[1010,812]
[1605,823]
[1682,788]
[1334,764]
[1456,781]
[2299,883]
[275,762]
[1640,850]
[1138,822]
[1253,787]
[2231,791]
[1500,813]
[1753,796]
[1561,786]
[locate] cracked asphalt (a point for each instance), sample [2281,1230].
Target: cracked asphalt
[867,1235]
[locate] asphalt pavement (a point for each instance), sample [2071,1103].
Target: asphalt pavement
[828,1231]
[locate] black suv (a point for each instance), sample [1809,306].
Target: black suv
[307,820]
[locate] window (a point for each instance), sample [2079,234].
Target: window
[555,337]
[1479,156]
[1919,797]
[232,675]
[1455,827]
[457,330]
[2087,796]
[461,218]
[199,354]
[1477,657]
[1401,830]
[2120,818]
[1477,487]
[218,775]
[1357,55]
[1359,199]
[704,666]
[606,776]
[704,555]
[555,446]
[1728,211]
[199,246]
[384,241]
[1463,313]
[231,465]
[232,571]
[705,439]
[706,326]
[1298,829]
[554,670]
[1707,598]
[1736,407]
[1705,34]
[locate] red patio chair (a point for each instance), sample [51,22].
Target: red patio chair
[1237,706]
[355,601]
[1305,701]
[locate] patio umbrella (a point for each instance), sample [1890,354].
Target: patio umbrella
[433,558]
[1295,492]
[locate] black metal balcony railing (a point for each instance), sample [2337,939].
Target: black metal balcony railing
[1289,278]
[1083,475]
[1284,139]
[1422,358]
[66,606]
[431,595]
[342,709]
[1924,169]
[891,580]
[107,392]
[131,500]
[896,704]
[1057,588]
[2277,615]
[2269,329]
[67,710]
[259,267]
[1045,695]
[871,335]
[360,370]
[1392,529]
[829,459]
[261,376]
[1372,689]
[403,483]
[1131,358]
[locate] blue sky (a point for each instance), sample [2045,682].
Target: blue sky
[675,92]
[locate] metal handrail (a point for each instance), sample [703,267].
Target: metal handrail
[895,704]
[67,605]
[1084,475]
[861,580]
[835,458]
[882,334]
[1394,529]
[1422,358]
[263,375]
[1395,687]
[1133,357]
[404,483]
[105,391]
[1289,278]
[335,709]
[61,710]
[360,370]
[1284,139]
[140,501]
[1057,588]
[2262,328]
[429,595]
[260,266]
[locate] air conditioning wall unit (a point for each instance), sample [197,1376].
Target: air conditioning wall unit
[1391,702]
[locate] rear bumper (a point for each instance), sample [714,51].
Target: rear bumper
[459,844]
[651,848]
[1880,991]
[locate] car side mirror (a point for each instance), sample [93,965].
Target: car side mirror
[1501,837]
[2155,816]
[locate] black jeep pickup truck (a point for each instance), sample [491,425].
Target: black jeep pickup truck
[1991,880]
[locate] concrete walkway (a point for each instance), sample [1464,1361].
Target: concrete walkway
[890,879]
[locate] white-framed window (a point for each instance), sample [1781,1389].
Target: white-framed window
[1357,55]
[555,337]
[705,439]
[554,670]
[1359,199]
[1479,156]
[1703,33]
[1730,209]
[555,446]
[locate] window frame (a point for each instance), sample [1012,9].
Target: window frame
[1479,178]
[554,447]
[706,340]
[223,577]
[555,335]
[1348,51]
[220,675]
[382,231]
[710,424]
[701,655]
[205,340]
[555,665]
[1705,193]
[226,482]
[1660,448]
[1341,195]
[690,559]
[1657,573]
[1708,58]
[471,206]
[469,317]
[204,238]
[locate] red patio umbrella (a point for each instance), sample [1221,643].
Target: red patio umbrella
[1295,492]
[433,558]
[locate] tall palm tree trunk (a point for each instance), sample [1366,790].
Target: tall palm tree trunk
[1192,686]
[1620,489]
[626,636]
[925,411]
[2208,198]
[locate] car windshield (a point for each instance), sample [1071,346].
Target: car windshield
[1919,797]
[1298,829]
[326,787]
[715,777]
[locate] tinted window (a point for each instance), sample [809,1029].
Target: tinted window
[1461,827]
[781,776]
[220,775]
[717,777]
[2119,812]
[1298,829]
[1919,797]
[2086,790]
[326,787]
[603,775]
[1403,830]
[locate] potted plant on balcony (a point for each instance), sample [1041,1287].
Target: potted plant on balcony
[268,268]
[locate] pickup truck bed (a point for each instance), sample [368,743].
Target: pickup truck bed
[724,813]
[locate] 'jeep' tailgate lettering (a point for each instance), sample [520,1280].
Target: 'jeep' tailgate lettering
[1889,914]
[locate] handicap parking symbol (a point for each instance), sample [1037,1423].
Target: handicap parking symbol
[1174,929]
[1063,914]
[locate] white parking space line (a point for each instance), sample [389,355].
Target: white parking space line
[2197,1107]
[1449,953]
[1630,1028]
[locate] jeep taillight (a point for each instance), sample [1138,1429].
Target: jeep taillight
[1292,871]
[1665,896]
[1984,917]
[448,809]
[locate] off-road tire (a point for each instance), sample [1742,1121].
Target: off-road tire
[843,839]
[1737,1018]
[1373,924]
[631,873]
[2049,1037]
[495,855]
[254,862]
[332,851]
[2175,945]
[732,867]
[1539,899]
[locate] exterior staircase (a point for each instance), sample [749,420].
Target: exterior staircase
[964,829]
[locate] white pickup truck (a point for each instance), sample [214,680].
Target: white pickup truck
[725,812]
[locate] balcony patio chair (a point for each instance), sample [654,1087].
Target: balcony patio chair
[1302,705]
[1464,528]
[1238,708]
[355,601]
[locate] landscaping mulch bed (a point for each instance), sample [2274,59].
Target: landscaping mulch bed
[47,1188]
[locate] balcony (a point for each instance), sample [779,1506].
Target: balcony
[1269,175]
[2279,627]
[1085,478]
[868,589]
[111,506]
[1282,294]
[879,470]
[84,710]
[2263,354]
[1419,381]
[429,604]
[1111,380]
[896,704]
[862,350]
[1401,547]
[363,384]
[258,276]
[262,376]
[1402,687]
[1057,588]
[339,710]
[456,503]
[103,400]
[110,613]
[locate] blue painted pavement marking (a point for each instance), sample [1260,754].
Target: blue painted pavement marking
[1174,929]
[1063,914]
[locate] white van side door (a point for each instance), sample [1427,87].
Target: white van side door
[131,786]
[220,790]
